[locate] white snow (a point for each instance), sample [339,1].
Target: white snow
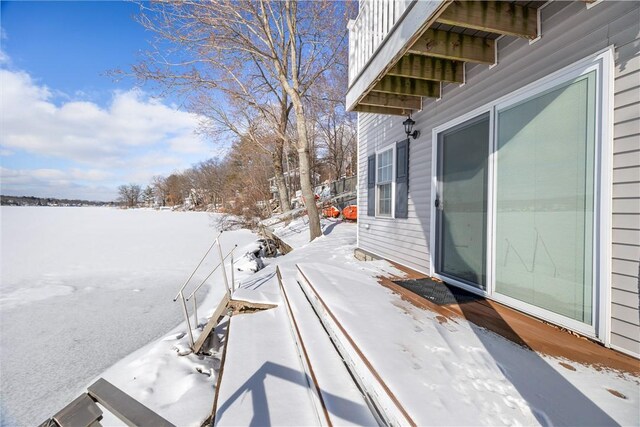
[248,262]
[260,297]
[342,398]
[84,287]
[262,382]
[296,233]
[452,373]
[266,382]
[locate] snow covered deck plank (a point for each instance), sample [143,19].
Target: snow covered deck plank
[519,328]
[126,408]
[263,381]
[345,404]
[451,372]
[83,411]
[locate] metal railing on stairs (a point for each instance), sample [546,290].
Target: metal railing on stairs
[192,296]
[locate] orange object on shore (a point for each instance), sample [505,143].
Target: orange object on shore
[331,212]
[350,212]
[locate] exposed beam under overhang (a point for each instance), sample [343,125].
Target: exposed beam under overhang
[434,56]
[493,16]
[406,86]
[396,101]
[455,46]
[428,68]
[382,110]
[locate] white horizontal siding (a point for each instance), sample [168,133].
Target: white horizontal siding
[624,282]
[401,240]
[625,251]
[570,32]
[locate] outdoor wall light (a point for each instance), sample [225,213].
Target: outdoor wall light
[408,128]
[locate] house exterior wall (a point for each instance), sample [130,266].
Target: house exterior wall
[625,251]
[570,32]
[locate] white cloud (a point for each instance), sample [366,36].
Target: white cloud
[85,132]
[131,139]
[71,184]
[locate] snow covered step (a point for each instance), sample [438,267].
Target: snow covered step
[83,411]
[342,401]
[263,382]
[386,404]
[125,407]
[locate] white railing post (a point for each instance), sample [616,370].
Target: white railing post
[224,270]
[352,49]
[195,311]
[180,295]
[233,282]
[186,317]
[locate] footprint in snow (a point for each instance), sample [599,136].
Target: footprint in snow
[203,370]
[181,350]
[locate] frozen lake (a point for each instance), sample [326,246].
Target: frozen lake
[82,288]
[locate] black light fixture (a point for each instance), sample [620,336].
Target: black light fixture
[408,128]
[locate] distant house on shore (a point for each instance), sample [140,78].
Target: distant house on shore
[523,184]
[292,181]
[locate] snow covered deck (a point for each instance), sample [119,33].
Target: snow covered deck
[281,368]
[415,365]
[430,369]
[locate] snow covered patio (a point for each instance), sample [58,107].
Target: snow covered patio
[340,348]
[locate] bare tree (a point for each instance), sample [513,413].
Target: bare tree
[159,185]
[250,95]
[129,195]
[176,189]
[286,45]
[210,175]
[148,196]
[266,126]
[336,127]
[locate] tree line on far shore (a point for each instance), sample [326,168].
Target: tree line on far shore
[242,182]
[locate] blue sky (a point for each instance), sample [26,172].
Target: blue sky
[66,129]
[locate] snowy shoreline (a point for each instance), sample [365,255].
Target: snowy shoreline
[471,375]
[84,288]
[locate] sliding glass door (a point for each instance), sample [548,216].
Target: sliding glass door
[545,199]
[515,200]
[461,205]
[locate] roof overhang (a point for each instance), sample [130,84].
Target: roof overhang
[430,46]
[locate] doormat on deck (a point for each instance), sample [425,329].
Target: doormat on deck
[438,293]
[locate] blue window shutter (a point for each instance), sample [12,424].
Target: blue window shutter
[402,179]
[371,186]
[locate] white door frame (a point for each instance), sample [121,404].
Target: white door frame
[602,62]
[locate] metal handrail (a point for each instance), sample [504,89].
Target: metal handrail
[197,266]
[192,295]
[209,275]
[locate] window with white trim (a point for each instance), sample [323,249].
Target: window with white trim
[384,182]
